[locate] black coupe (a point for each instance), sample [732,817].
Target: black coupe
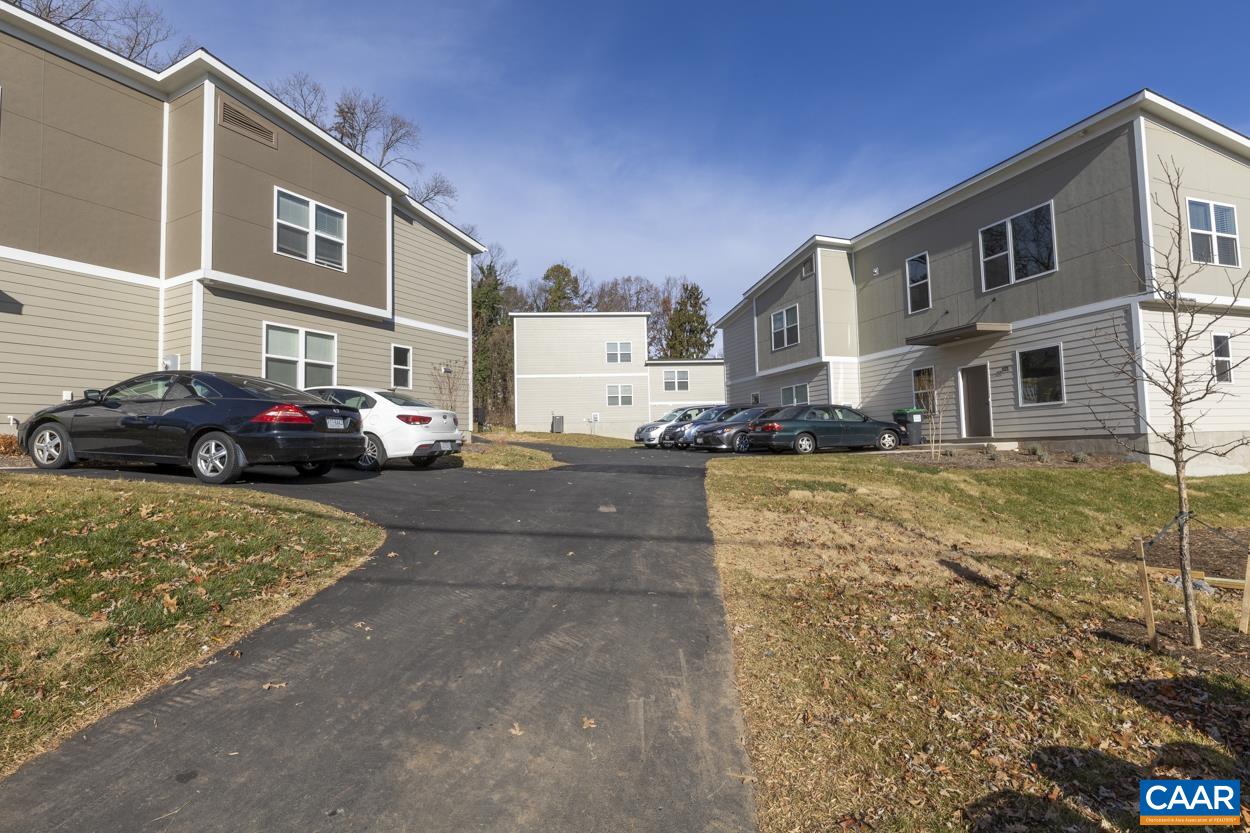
[216,423]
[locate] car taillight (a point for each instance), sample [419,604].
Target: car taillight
[770,427]
[414,419]
[284,415]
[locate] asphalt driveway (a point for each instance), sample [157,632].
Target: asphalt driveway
[545,651]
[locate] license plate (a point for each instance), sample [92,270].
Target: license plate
[335,423]
[446,445]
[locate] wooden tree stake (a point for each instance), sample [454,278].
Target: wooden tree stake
[1148,608]
[1243,624]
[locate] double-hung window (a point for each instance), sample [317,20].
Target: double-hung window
[298,357]
[1040,375]
[922,389]
[620,352]
[794,395]
[401,366]
[1213,233]
[1222,357]
[918,283]
[786,327]
[1018,248]
[677,380]
[308,230]
[620,395]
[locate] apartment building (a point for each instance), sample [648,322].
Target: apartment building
[591,369]
[188,219]
[1008,305]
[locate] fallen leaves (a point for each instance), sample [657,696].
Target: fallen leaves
[268,686]
[516,731]
[589,723]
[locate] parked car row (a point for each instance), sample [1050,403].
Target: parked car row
[803,429]
[221,423]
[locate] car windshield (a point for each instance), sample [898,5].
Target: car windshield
[669,417]
[257,388]
[403,399]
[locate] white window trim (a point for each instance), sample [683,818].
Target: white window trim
[795,388]
[395,367]
[1063,379]
[1011,253]
[1215,235]
[676,381]
[928,281]
[932,374]
[300,360]
[312,232]
[618,352]
[1214,358]
[959,396]
[798,336]
[607,395]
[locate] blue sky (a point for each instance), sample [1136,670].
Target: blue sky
[709,139]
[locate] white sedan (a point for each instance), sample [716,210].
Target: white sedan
[398,425]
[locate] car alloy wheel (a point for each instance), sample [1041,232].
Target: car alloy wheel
[805,444]
[215,459]
[211,459]
[374,457]
[888,441]
[48,447]
[742,443]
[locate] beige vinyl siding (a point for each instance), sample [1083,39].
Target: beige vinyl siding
[1092,384]
[431,276]
[1229,409]
[786,291]
[233,332]
[838,303]
[178,323]
[707,386]
[575,344]
[577,399]
[738,340]
[186,184]
[64,331]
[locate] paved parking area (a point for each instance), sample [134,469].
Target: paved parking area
[545,651]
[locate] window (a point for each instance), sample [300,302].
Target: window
[918,283]
[298,220]
[1222,352]
[794,395]
[401,366]
[755,399]
[819,414]
[786,327]
[298,357]
[620,352]
[149,389]
[1040,374]
[620,395]
[1213,242]
[847,415]
[808,267]
[922,389]
[1018,248]
[677,380]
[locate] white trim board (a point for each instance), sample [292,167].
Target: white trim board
[77,267]
[311,298]
[579,375]
[400,321]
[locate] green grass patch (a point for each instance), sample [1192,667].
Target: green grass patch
[500,455]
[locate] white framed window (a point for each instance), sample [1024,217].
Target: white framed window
[307,230]
[620,352]
[786,327]
[299,357]
[1018,248]
[923,389]
[1222,356]
[677,380]
[1039,376]
[755,399]
[917,272]
[619,395]
[1213,233]
[794,395]
[401,366]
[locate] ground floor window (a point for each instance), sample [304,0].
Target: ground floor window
[1040,374]
[922,389]
[677,380]
[794,395]
[401,366]
[298,357]
[1222,353]
[620,395]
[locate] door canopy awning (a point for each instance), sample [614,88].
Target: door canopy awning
[979,329]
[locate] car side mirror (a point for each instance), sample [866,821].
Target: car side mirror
[93,395]
[866,419]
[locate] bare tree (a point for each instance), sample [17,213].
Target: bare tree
[449,379]
[436,191]
[134,29]
[1185,373]
[305,95]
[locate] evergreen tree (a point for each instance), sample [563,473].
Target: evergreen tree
[560,290]
[689,334]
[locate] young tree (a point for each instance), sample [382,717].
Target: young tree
[560,290]
[1185,373]
[689,334]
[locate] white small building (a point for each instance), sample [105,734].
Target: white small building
[591,369]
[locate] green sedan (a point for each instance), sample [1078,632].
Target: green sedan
[805,429]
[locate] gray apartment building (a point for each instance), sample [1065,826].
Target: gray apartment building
[1004,304]
[188,219]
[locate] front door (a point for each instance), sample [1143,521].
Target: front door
[974,401]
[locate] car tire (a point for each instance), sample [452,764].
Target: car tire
[374,458]
[804,444]
[422,462]
[215,459]
[741,443]
[49,446]
[318,469]
[887,441]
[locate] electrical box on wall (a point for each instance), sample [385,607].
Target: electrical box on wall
[171,362]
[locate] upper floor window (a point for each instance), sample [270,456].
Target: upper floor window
[786,327]
[310,231]
[401,366]
[620,395]
[1222,355]
[1040,375]
[677,380]
[918,283]
[794,395]
[298,357]
[1018,248]
[1213,233]
[620,352]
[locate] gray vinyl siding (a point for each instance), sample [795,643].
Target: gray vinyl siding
[738,340]
[769,387]
[431,276]
[64,331]
[233,331]
[178,323]
[1092,383]
[791,289]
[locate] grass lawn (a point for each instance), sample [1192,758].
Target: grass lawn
[574,440]
[924,647]
[111,588]
[499,455]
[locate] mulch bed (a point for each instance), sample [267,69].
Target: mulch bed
[1223,651]
[14,460]
[1209,551]
[975,458]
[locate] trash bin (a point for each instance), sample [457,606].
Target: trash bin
[913,419]
[557,425]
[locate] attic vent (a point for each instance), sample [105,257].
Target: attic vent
[809,267]
[240,121]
